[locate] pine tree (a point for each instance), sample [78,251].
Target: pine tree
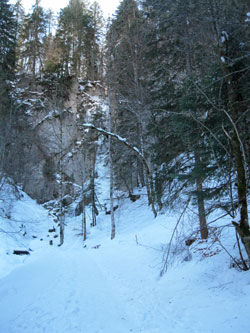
[77,36]
[193,49]
[7,63]
[19,16]
[231,29]
[125,43]
[32,37]
[7,36]
[93,55]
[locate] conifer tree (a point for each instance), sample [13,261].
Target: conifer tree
[93,55]
[7,36]
[19,16]
[198,74]
[231,29]
[7,63]
[32,37]
[125,72]
[77,36]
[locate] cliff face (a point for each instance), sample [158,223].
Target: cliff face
[52,147]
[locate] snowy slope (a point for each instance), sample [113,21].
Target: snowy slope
[106,286]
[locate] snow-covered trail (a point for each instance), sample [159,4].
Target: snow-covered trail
[72,290]
[60,292]
[114,289]
[104,286]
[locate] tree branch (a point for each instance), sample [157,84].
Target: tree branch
[136,151]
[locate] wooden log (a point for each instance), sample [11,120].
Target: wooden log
[21,252]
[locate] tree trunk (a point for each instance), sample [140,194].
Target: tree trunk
[94,209]
[200,200]
[61,212]
[235,101]
[84,220]
[111,197]
[243,227]
[228,49]
[84,224]
[111,179]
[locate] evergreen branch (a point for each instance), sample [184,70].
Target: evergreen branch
[230,119]
[200,123]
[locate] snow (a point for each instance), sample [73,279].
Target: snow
[136,149]
[121,139]
[223,39]
[224,36]
[223,59]
[96,99]
[106,286]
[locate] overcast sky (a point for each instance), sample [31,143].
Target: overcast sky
[108,6]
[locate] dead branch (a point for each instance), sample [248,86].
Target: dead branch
[165,265]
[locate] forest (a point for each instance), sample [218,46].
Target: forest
[174,81]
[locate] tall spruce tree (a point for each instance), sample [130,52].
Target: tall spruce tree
[93,55]
[7,36]
[231,29]
[7,63]
[198,56]
[19,17]
[77,36]
[128,92]
[31,39]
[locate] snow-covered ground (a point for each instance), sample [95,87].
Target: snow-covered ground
[104,286]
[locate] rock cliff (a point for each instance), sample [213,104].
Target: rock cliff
[52,147]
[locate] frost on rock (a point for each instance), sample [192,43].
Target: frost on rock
[53,128]
[51,115]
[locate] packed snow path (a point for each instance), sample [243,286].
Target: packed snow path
[115,287]
[64,292]
[91,291]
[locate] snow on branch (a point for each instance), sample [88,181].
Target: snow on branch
[135,150]
[118,137]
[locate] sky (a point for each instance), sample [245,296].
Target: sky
[108,6]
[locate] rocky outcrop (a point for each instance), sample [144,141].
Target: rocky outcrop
[53,148]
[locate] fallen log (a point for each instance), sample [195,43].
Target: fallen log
[21,252]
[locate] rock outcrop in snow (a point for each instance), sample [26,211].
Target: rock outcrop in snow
[47,125]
